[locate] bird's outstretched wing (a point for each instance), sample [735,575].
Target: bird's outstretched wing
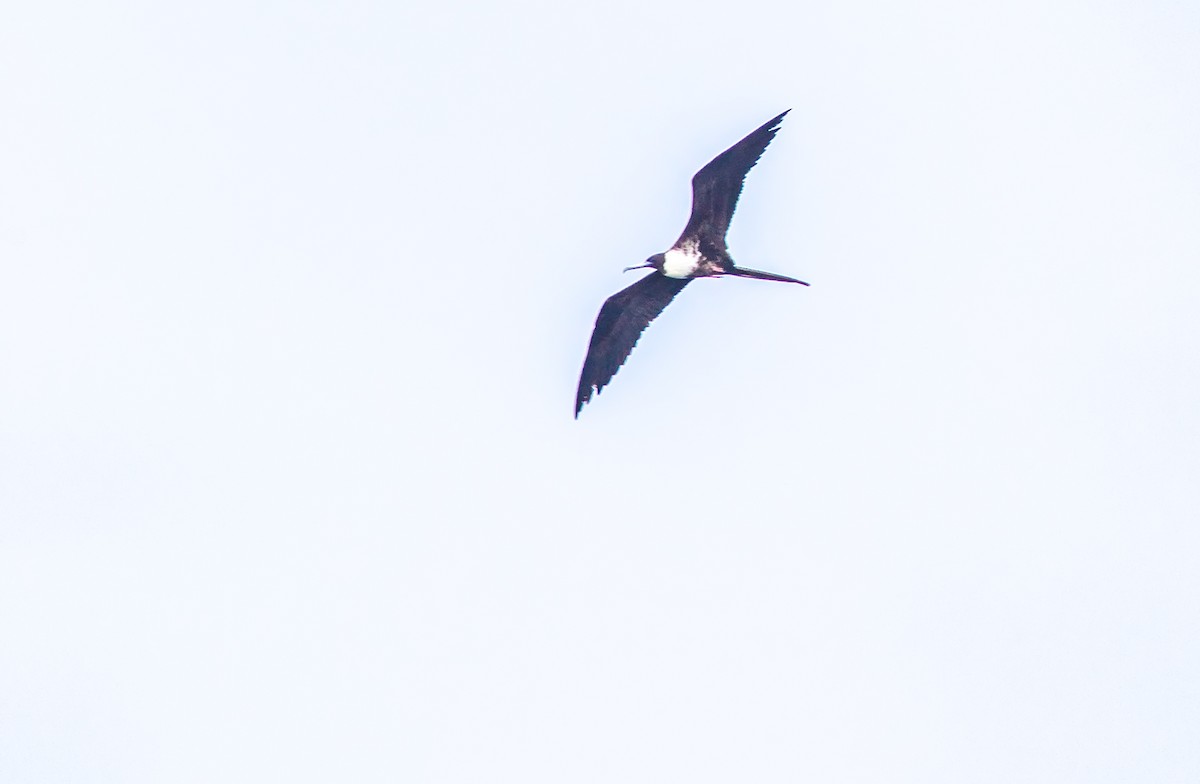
[716,187]
[618,327]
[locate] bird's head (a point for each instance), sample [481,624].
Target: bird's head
[654,262]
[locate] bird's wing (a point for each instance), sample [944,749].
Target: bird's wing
[618,327]
[716,187]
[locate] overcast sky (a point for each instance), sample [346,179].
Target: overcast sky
[293,302]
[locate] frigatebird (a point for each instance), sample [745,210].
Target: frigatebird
[700,252]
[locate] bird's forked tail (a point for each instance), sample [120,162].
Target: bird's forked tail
[742,272]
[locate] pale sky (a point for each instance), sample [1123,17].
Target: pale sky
[293,302]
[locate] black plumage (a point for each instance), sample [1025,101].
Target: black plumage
[699,252]
[716,187]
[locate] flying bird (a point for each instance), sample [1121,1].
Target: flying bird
[700,252]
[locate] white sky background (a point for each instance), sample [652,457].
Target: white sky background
[293,302]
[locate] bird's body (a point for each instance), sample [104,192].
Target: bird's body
[683,262]
[700,252]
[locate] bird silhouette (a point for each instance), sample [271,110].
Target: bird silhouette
[700,252]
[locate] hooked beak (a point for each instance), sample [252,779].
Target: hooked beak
[640,266]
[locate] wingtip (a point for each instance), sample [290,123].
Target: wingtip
[773,125]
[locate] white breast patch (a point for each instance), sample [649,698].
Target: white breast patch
[680,262]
